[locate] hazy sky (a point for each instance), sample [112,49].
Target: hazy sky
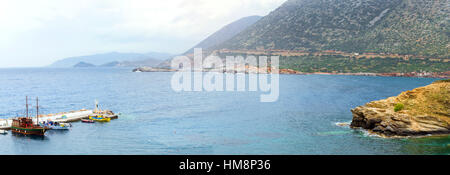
[36,33]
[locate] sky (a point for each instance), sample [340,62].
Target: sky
[37,33]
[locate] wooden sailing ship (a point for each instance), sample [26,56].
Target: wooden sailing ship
[25,125]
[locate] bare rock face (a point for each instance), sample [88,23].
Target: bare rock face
[426,110]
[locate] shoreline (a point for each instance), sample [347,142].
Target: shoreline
[440,75]
[372,133]
[444,75]
[384,136]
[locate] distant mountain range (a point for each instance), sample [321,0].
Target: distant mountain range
[408,27]
[113,59]
[226,33]
[138,63]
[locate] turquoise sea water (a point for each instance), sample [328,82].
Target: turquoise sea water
[156,120]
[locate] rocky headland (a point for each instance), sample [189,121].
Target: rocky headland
[418,112]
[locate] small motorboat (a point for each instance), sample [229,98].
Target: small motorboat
[3,131]
[87,121]
[56,125]
[100,118]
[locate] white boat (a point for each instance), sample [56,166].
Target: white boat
[56,125]
[3,131]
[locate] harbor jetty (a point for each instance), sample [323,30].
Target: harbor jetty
[64,117]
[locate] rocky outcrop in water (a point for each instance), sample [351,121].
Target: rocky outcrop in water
[421,111]
[83,65]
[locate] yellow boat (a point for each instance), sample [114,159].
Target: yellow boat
[100,118]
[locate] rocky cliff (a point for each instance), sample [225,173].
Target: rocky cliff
[421,111]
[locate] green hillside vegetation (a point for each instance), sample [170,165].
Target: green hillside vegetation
[343,64]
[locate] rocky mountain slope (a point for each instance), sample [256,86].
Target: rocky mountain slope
[226,33]
[421,111]
[413,27]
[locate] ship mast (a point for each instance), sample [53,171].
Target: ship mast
[96,106]
[26,104]
[37,110]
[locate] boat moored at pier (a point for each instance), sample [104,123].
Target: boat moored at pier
[55,125]
[3,131]
[39,124]
[26,126]
[87,121]
[99,118]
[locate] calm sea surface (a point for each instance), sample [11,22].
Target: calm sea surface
[156,120]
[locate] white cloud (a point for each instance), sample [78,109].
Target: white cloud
[36,33]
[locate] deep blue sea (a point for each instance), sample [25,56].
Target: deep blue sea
[156,120]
